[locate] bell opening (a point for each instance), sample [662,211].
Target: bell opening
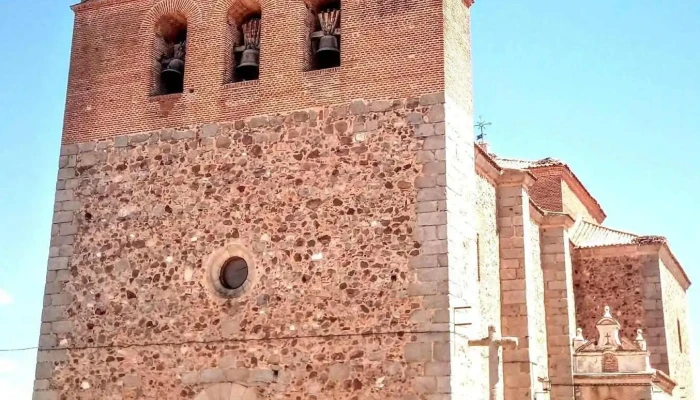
[247,55]
[170,51]
[325,36]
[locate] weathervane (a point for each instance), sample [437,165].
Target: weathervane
[481,125]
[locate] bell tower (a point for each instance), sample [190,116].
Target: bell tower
[264,199]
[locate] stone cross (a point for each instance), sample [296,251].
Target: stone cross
[494,343]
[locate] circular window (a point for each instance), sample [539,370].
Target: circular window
[230,270]
[234,273]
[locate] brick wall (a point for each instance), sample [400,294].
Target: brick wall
[389,50]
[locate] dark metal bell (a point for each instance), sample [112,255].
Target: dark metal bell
[328,53]
[172,77]
[249,67]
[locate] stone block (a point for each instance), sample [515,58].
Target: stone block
[53,288]
[44,370]
[62,327]
[62,216]
[41,384]
[432,194]
[212,375]
[430,99]
[209,130]
[434,143]
[439,274]
[431,218]
[441,352]
[53,313]
[380,106]
[436,113]
[425,156]
[436,167]
[47,341]
[424,130]
[58,263]
[51,356]
[425,384]
[121,141]
[262,375]
[418,352]
[426,206]
[188,134]
[190,378]
[437,369]
[69,149]
[424,261]
[435,247]
[358,107]
[45,395]
[422,289]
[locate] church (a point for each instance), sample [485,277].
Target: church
[264,200]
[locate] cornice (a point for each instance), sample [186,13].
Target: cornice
[92,4]
[516,177]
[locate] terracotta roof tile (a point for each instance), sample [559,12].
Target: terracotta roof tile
[587,234]
[515,163]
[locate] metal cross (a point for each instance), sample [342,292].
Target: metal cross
[494,343]
[481,125]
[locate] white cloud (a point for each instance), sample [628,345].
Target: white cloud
[5,298]
[7,366]
[12,390]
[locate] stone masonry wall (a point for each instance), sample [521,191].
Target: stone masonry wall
[537,338]
[489,263]
[628,280]
[616,281]
[516,260]
[343,210]
[469,370]
[675,309]
[559,307]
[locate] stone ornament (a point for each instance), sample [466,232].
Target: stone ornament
[215,262]
[227,391]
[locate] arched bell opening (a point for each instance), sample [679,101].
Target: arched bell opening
[170,49]
[243,44]
[324,36]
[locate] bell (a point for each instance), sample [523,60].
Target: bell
[249,67]
[172,76]
[328,53]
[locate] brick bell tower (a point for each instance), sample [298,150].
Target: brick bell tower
[265,199]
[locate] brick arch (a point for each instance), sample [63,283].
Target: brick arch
[188,8]
[228,15]
[235,11]
[227,391]
[319,4]
[185,9]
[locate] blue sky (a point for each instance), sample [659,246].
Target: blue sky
[611,88]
